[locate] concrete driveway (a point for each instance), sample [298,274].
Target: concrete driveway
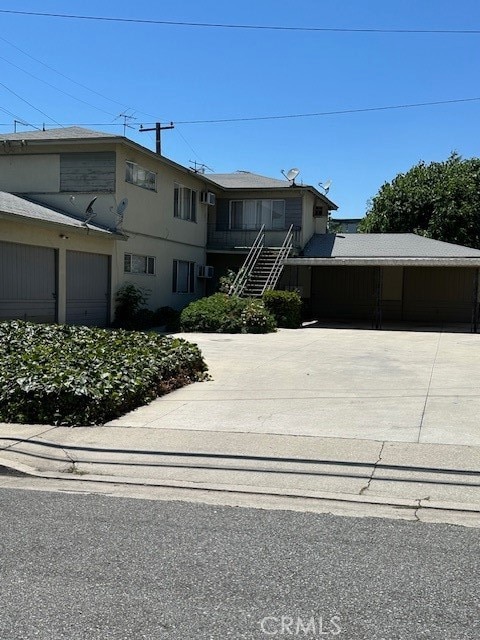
[406,386]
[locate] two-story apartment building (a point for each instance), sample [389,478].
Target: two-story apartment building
[82,212]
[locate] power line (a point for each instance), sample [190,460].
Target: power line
[242,26]
[330,113]
[279,117]
[29,103]
[70,95]
[47,66]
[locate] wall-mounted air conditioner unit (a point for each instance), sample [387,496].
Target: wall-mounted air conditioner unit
[207,197]
[204,271]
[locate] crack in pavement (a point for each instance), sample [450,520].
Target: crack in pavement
[364,489]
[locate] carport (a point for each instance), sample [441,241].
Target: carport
[382,277]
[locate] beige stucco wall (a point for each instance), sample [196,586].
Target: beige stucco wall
[78,240]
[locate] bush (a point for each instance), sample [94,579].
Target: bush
[130,310]
[226,314]
[285,306]
[66,375]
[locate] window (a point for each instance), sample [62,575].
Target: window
[183,277]
[140,176]
[184,203]
[251,214]
[139,264]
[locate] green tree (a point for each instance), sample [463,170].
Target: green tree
[440,200]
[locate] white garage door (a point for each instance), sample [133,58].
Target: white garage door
[88,288]
[28,288]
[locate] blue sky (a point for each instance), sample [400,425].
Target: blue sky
[190,73]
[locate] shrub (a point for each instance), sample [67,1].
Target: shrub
[285,306]
[66,375]
[256,318]
[226,314]
[130,310]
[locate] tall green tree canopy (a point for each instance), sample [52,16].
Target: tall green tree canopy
[440,200]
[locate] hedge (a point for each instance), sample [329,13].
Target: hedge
[227,314]
[67,375]
[285,306]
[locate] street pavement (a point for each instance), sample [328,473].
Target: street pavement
[385,421]
[78,567]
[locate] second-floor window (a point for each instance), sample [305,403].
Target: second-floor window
[140,176]
[184,203]
[251,214]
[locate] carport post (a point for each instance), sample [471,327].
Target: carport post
[475,309]
[377,314]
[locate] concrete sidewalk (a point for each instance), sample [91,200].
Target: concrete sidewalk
[312,417]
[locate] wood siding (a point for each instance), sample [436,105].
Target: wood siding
[87,172]
[343,292]
[443,294]
[88,288]
[27,282]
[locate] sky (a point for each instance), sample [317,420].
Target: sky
[156,72]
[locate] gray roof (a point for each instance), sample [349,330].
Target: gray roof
[246,180]
[64,133]
[383,245]
[23,208]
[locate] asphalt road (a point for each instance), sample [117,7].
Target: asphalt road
[104,568]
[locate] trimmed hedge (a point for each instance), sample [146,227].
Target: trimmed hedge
[227,314]
[67,375]
[285,306]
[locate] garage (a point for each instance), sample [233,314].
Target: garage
[389,277]
[88,288]
[28,286]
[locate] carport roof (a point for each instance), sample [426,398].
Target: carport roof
[17,207]
[383,249]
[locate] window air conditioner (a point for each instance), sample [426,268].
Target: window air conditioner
[204,271]
[207,197]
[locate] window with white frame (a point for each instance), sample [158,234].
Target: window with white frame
[184,203]
[139,264]
[252,214]
[183,277]
[140,176]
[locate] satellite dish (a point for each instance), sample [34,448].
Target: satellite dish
[291,175]
[122,206]
[325,186]
[89,210]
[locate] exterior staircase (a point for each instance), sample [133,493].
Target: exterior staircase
[262,268]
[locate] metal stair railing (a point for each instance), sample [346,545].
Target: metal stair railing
[245,271]
[277,267]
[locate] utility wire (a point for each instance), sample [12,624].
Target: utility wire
[84,86]
[18,119]
[29,103]
[330,113]
[283,117]
[240,26]
[70,95]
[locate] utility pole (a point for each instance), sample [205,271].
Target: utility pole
[158,134]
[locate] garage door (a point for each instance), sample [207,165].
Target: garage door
[27,282]
[88,290]
[438,294]
[343,292]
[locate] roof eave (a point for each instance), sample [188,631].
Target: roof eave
[384,262]
[81,229]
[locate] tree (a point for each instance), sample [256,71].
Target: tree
[440,200]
